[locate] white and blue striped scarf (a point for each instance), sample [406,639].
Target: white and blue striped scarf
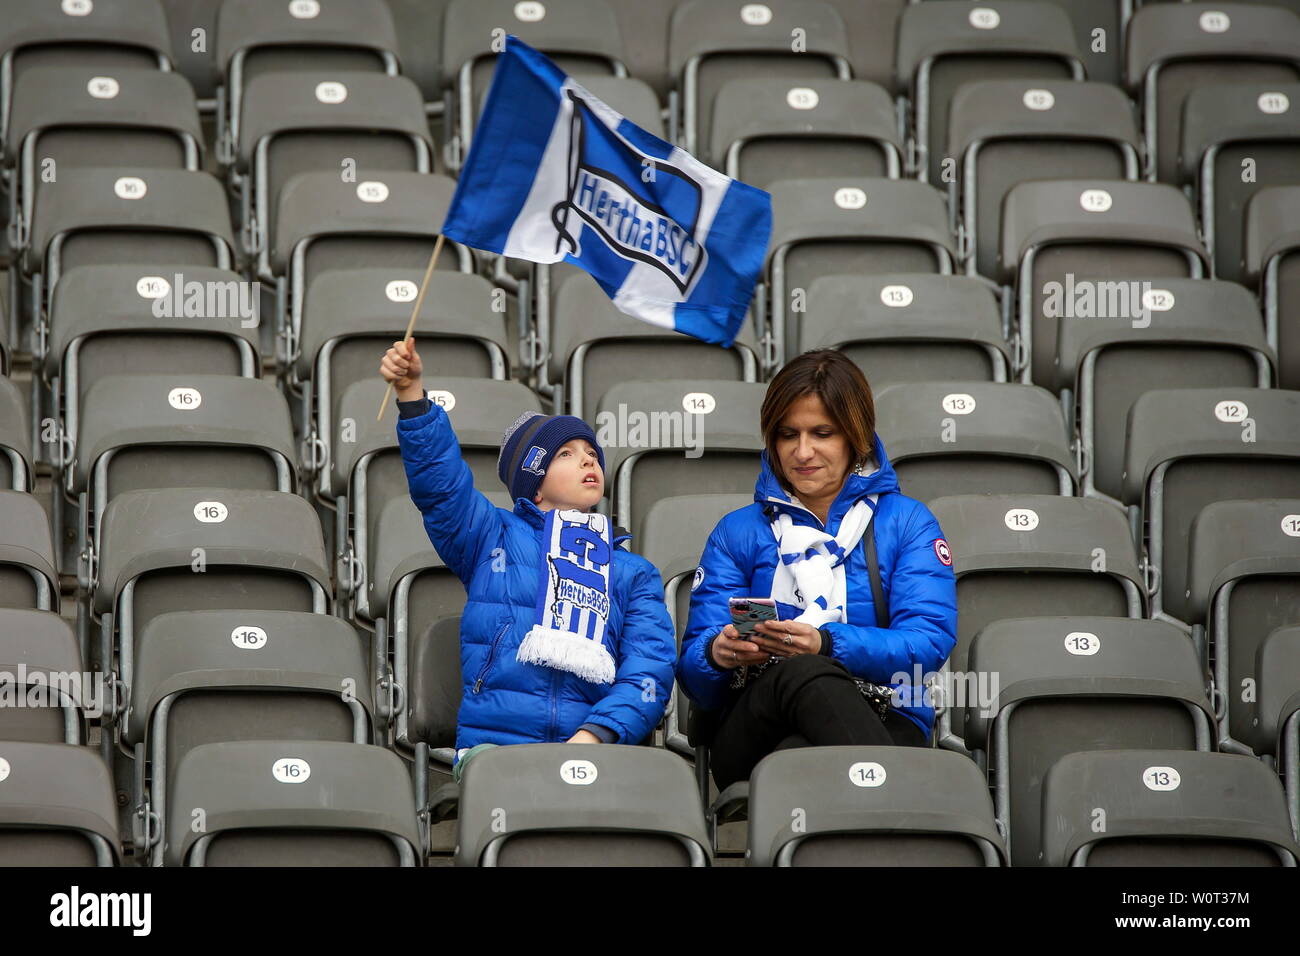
[573,598]
[810,573]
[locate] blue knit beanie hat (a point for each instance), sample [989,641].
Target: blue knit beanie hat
[529,444]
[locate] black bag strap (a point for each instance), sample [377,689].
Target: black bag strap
[873,571]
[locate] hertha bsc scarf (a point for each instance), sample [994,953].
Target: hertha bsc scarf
[573,598]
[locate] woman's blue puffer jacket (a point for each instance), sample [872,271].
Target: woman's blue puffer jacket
[497,555]
[919,587]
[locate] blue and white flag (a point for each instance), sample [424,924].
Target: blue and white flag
[555,175]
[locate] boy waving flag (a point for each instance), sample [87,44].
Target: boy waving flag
[555,175]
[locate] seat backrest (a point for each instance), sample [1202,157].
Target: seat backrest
[1243,576]
[1164,808]
[28,578]
[1146,334]
[57,806]
[1069,684]
[909,327]
[769,128]
[957,438]
[1188,448]
[946,43]
[595,346]
[709,44]
[1236,139]
[849,227]
[1004,132]
[48,692]
[1061,238]
[906,806]
[295,802]
[16,470]
[647,427]
[1272,240]
[1172,48]
[118,215]
[1278,663]
[434,684]
[607,804]
[1032,555]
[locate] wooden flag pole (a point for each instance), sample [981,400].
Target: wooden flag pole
[428,273]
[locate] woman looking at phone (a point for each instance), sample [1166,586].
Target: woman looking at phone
[822,673]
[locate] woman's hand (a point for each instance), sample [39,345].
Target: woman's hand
[402,367]
[787,638]
[730,650]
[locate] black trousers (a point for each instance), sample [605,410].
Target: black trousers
[806,701]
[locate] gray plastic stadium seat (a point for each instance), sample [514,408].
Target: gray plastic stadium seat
[1172,48]
[1093,231]
[1111,17]
[769,128]
[872,27]
[946,43]
[293,123]
[16,469]
[1244,578]
[1074,556]
[1004,132]
[909,327]
[348,805]
[1278,729]
[569,805]
[1069,684]
[1229,131]
[710,43]
[595,346]
[1195,331]
[255,38]
[853,226]
[580,36]
[57,807]
[1223,810]
[432,679]
[959,438]
[197,66]
[106,34]
[366,469]
[102,323]
[1272,265]
[192,549]
[653,435]
[63,117]
[28,578]
[676,531]
[323,223]
[871,806]
[51,705]
[209,676]
[352,315]
[178,431]
[1188,448]
[120,215]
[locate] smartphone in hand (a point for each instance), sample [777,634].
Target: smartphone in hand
[748,611]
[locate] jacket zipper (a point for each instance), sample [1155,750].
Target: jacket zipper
[492,652]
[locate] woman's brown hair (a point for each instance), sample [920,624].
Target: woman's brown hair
[842,388]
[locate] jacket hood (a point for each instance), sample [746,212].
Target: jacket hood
[876,478]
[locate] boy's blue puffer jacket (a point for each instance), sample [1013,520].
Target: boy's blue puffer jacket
[740,559]
[497,555]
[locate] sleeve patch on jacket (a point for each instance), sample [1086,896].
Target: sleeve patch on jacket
[942,552]
[699,578]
